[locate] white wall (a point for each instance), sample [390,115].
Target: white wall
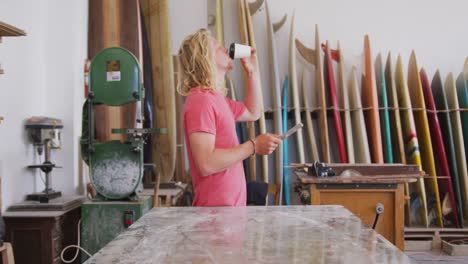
[44,69]
[436,30]
[43,76]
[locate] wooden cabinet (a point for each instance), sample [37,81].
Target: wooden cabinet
[40,236]
[382,187]
[362,200]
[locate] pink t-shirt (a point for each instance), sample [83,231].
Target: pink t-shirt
[211,112]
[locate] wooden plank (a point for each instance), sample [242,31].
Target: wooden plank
[8,30]
[369,169]
[156,17]
[399,217]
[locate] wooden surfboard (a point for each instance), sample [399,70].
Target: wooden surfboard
[114,23]
[337,55]
[156,17]
[360,142]
[424,137]
[452,99]
[295,92]
[418,192]
[333,102]
[314,57]
[244,34]
[287,200]
[314,154]
[384,112]
[370,102]
[440,99]
[252,8]
[276,92]
[440,156]
[398,146]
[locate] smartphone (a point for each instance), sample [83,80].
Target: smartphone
[293,130]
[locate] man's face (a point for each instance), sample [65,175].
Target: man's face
[221,56]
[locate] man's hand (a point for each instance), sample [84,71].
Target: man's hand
[266,143]
[250,64]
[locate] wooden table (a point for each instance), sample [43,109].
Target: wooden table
[167,196]
[361,195]
[253,234]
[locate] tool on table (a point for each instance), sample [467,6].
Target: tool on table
[45,135]
[321,169]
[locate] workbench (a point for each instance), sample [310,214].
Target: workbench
[254,234]
[362,196]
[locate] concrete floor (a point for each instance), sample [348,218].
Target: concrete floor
[426,257]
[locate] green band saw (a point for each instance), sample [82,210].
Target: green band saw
[116,168]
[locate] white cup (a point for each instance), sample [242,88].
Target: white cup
[238,51]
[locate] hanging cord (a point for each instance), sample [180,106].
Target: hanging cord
[77,246]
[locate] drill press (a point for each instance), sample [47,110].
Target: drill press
[45,135]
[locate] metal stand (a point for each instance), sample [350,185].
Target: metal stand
[47,166]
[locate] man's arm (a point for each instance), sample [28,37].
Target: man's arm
[209,159]
[252,100]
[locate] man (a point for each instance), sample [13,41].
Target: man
[214,153]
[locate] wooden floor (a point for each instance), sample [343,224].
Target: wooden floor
[426,257]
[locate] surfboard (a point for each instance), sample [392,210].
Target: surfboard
[440,156]
[314,57]
[384,113]
[417,190]
[114,24]
[252,8]
[314,154]
[424,138]
[463,101]
[440,99]
[333,102]
[371,104]
[244,34]
[287,200]
[360,142]
[156,17]
[342,92]
[276,92]
[453,106]
[398,147]
[295,92]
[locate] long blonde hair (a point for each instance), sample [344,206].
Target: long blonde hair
[195,67]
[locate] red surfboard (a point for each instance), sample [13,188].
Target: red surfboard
[330,82]
[440,156]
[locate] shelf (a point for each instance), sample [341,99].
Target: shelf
[7,30]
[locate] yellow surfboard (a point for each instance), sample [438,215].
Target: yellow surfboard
[422,130]
[411,143]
